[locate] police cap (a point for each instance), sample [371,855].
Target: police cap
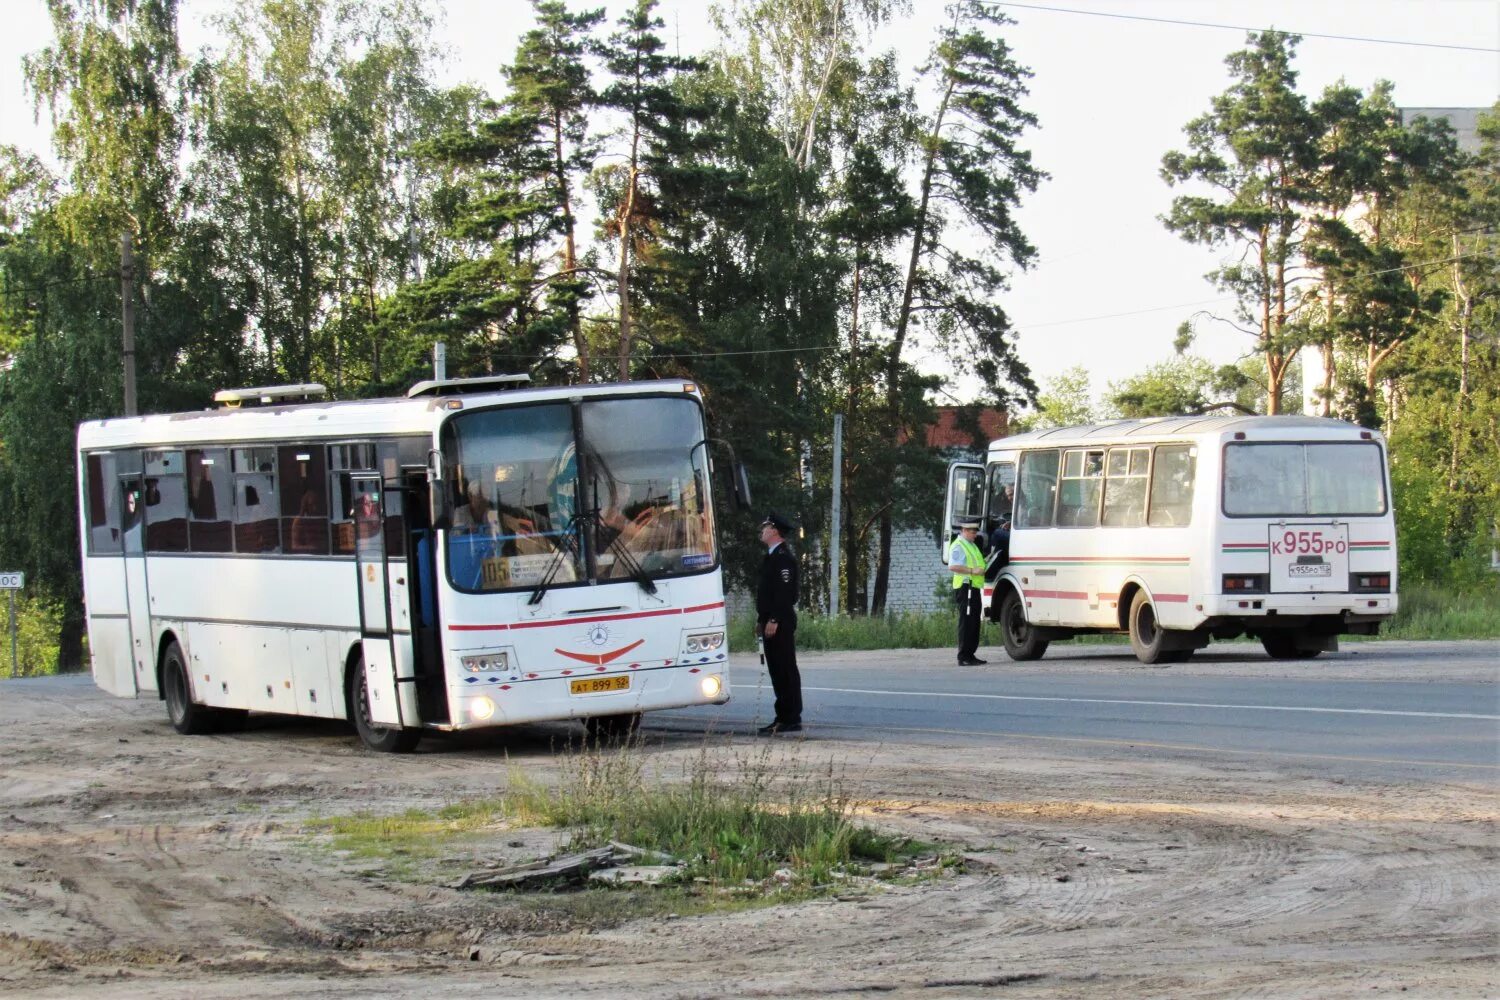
[775,520]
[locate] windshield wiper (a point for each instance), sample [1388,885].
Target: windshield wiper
[632,565]
[569,546]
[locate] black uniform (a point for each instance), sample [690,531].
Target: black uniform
[776,601]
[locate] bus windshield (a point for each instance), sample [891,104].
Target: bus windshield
[622,495]
[1300,480]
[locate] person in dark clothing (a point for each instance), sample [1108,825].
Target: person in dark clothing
[776,623]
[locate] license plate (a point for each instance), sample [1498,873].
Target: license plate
[598,685]
[1309,569]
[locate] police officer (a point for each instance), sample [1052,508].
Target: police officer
[776,623]
[966,563]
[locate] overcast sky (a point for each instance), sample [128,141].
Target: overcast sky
[1112,95]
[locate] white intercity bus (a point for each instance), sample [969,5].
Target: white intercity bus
[479,553]
[1180,530]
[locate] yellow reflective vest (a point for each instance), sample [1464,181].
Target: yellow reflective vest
[973,558]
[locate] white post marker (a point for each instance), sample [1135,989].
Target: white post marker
[12,582]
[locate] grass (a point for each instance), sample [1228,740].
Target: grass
[755,827]
[1426,612]
[758,822]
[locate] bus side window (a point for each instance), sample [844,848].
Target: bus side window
[256,529]
[1172,485]
[209,501]
[1079,492]
[103,504]
[166,502]
[304,499]
[1125,487]
[1038,489]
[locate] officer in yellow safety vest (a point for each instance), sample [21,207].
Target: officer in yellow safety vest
[966,563]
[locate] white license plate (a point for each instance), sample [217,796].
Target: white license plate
[1309,569]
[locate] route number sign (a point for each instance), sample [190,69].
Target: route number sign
[12,581]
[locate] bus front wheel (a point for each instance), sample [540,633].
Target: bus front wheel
[1019,636]
[1148,639]
[381,739]
[612,728]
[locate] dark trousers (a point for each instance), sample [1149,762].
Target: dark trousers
[969,600]
[781,663]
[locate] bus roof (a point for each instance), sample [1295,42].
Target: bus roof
[1195,427]
[351,419]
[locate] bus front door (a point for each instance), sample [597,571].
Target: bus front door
[137,599]
[377,631]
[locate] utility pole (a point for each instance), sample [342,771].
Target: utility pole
[127,309]
[439,361]
[835,549]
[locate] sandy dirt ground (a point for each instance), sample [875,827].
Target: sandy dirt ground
[138,863]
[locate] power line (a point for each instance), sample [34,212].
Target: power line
[1235,27]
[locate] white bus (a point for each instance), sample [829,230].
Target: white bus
[476,554]
[1180,530]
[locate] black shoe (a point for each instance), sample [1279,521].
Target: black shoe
[972,661]
[779,727]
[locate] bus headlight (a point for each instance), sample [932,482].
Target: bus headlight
[481,709]
[483,662]
[711,686]
[704,642]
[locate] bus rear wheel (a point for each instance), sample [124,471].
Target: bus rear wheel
[1283,646]
[381,739]
[187,716]
[1147,638]
[1019,636]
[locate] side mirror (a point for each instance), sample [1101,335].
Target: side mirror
[741,487]
[437,492]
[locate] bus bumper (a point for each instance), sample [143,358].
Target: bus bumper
[550,699]
[1328,614]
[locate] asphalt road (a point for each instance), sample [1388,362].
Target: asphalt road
[1425,711]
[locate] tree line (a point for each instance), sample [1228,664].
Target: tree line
[782,219]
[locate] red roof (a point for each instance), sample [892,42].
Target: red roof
[945,433]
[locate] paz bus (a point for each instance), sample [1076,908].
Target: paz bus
[478,553]
[1180,530]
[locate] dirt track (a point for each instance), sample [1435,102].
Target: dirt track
[138,863]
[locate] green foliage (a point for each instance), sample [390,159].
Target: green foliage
[1065,400]
[733,825]
[1440,613]
[38,622]
[1181,385]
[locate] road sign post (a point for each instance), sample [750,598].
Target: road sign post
[12,582]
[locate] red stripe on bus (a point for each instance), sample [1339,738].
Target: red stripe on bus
[1061,595]
[586,621]
[1027,560]
[1171,598]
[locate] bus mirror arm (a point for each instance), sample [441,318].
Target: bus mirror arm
[739,476]
[437,494]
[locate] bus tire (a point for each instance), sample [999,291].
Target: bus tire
[1018,635]
[1283,646]
[381,739]
[187,716]
[612,728]
[1147,639]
